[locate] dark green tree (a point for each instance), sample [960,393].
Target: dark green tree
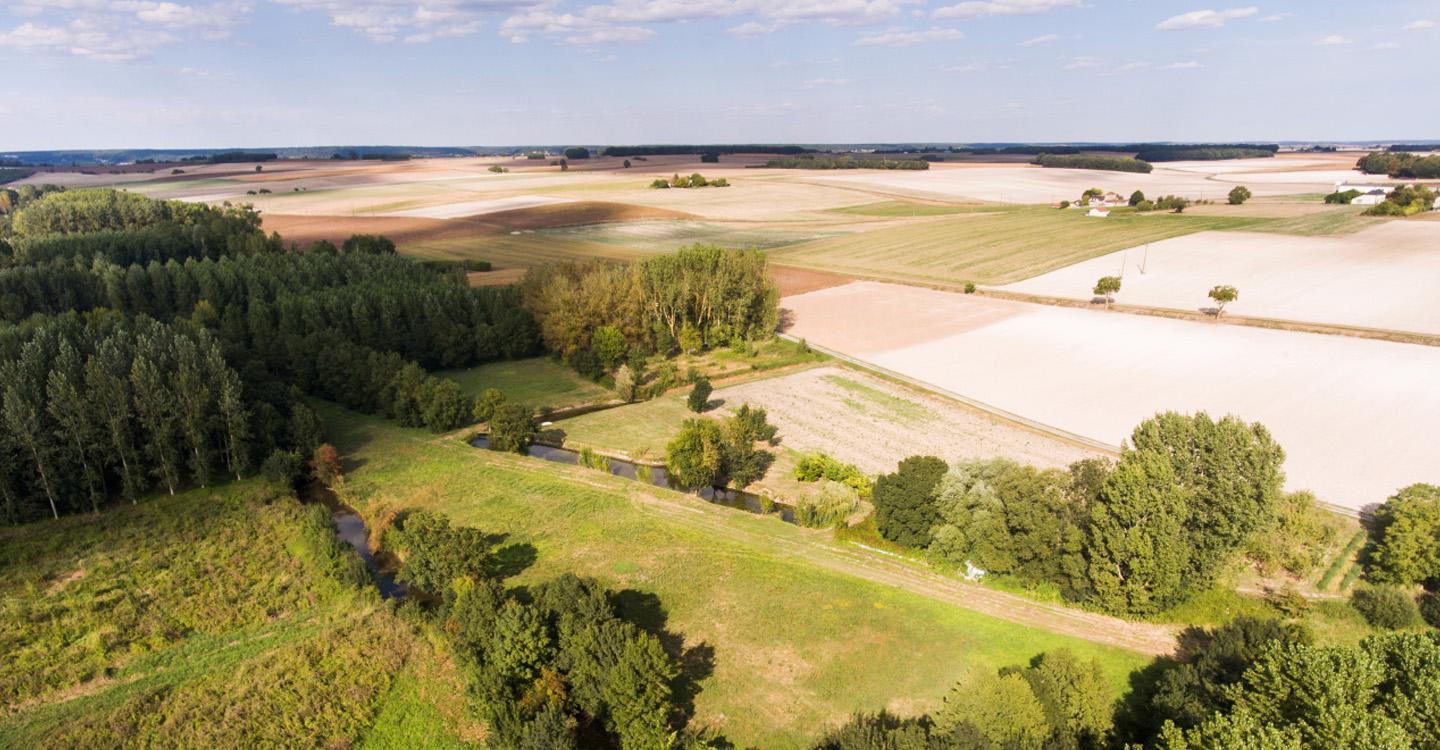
[905,500]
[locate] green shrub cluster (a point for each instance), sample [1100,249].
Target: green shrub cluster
[1406,200]
[828,507]
[816,466]
[1386,607]
[712,453]
[695,180]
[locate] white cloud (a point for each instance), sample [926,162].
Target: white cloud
[410,20]
[1042,39]
[973,66]
[976,8]
[118,30]
[1418,25]
[1386,45]
[1205,19]
[1273,17]
[1137,65]
[1333,40]
[1082,62]
[1186,65]
[904,38]
[818,82]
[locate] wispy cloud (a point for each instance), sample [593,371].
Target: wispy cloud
[976,8]
[1082,62]
[1333,40]
[905,38]
[118,30]
[1205,19]
[1042,39]
[815,83]
[1186,65]
[1418,25]
[1386,45]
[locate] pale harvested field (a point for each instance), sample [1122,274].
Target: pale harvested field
[872,423]
[1382,277]
[1358,418]
[1030,184]
[463,209]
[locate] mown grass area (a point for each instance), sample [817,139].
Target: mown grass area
[797,644]
[541,382]
[1000,245]
[640,430]
[895,209]
[218,618]
[522,250]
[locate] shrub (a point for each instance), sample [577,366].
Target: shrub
[1136,198]
[699,397]
[1386,607]
[1407,537]
[1430,609]
[1343,197]
[905,500]
[511,428]
[817,466]
[282,467]
[1238,195]
[485,406]
[969,287]
[592,460]
[827,508]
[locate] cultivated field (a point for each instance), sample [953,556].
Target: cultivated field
[1357,417]
[803,631]
[1029,184]
[1381,277]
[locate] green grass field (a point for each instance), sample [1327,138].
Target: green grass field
[997,246]
[216,618]
[798,644]
[638,430]
[540,382]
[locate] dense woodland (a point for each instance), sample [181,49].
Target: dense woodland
[132,365]
[1401,165]
[1201,151]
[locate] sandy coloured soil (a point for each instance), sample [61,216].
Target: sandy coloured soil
[1358,418]
[463,209]
[1381,277]
[801,280]
[1023,184]
[872,423]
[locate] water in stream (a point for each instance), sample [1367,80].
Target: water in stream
[730,498]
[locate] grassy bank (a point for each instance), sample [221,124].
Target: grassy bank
[798,643]
[215,618]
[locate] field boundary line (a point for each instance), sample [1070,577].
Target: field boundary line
[995,411]
[1009,416]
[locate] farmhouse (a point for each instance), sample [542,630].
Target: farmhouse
[1371,198]
[1100,212]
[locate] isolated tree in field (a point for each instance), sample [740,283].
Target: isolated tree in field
[905,500]
[511,428]
[627,164]
[1136,197]
[1223,295]
[699,396]
[1407,537]
[1239,194]
[1107,287]
[564,165]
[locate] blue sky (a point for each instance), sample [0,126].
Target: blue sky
[213,73]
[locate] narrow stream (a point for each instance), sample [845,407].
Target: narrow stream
[350,528]
[660,477]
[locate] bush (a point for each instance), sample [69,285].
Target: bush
[1407,537]
[282,468]
[1386,607]
[1343,197]
[1238,195]
[699,397]
[485,406]
[827,508]
[1430,609]
[511,428]
[817,466]
[969,287]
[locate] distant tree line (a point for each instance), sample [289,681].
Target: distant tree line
[1400,165]
[845,162]
[686,150]
[695,180]
[1201,151]
[1135,537]
[1091,161]
[11,174]
[234,157]
[1412,147]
